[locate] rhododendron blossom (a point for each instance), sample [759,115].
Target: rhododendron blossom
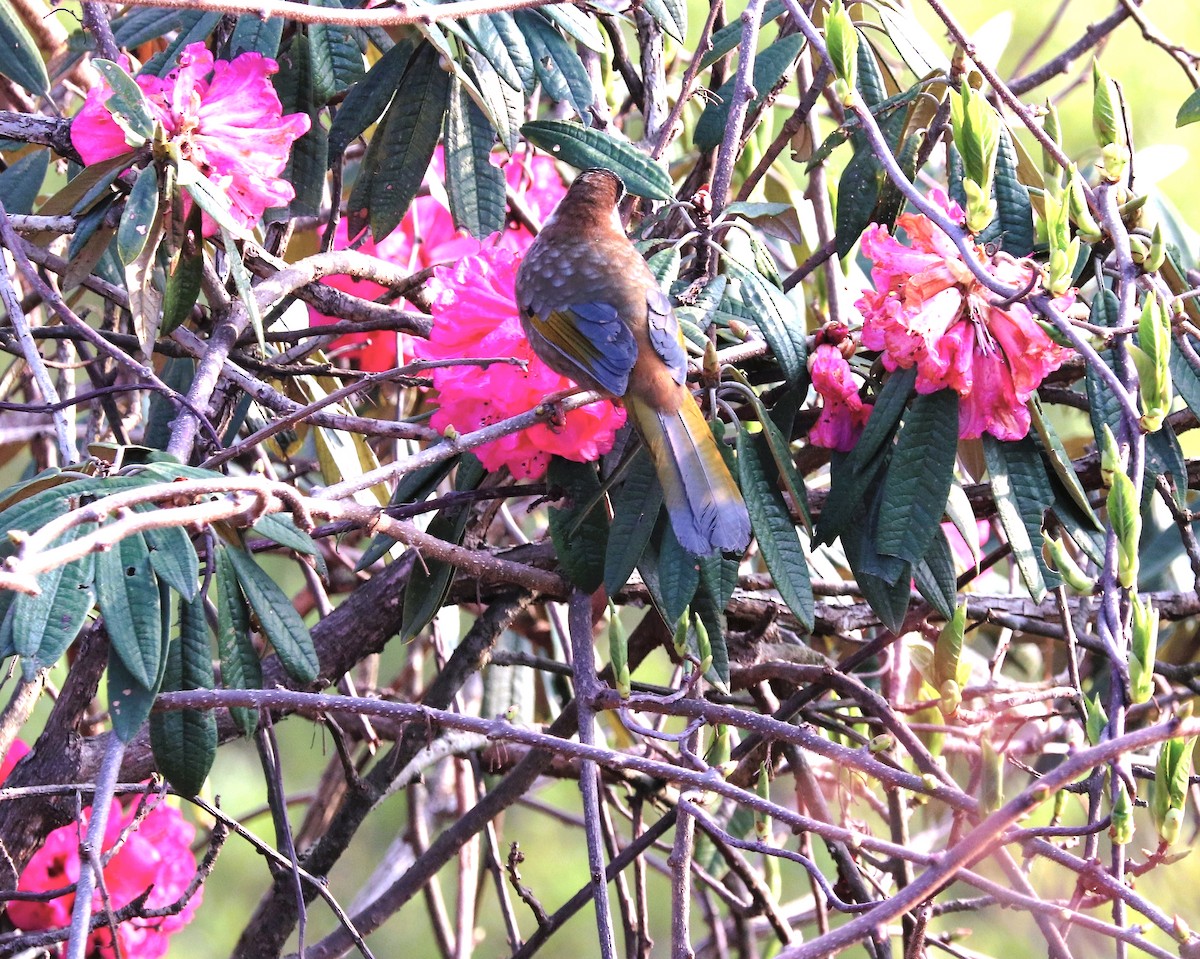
[155,857]
[427,236]
[224,116]
[475,315]
[929,311]
[843,413]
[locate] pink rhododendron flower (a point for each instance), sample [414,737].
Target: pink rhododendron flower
[475,315]
[156,856]
[843,413]
[427,236]
[16,752]
[929,311]
[224,116]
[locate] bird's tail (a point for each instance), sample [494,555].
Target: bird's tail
[706,508]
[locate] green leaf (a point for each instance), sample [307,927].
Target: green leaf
[1060,460]
[335,59]
[183,278]
[581,540]
[636,503]
[888,596]
[513,41]
[280,622]
[399,153]
[730,35]
[129,702]
[240,666]
[1189,111]
[584,148]
[43,626]
[185,740]
[137,221]
[919,476]
[1012,228]
[173,557]
[577,25]
[770,65]
[934,576]
[142,24]
[774,530]
[127,594]
[474,185]
[22,62]
[671,16]
[776,317]
[864,192]
[412,488]
[562,74]
[368,98]
[1023,494]
[486,38]
[869,80]
[21,182]
[670,572]
[718,577]
[253,34]
[299,87]
[429,582]
[127,103]
[195,26]
[853,473]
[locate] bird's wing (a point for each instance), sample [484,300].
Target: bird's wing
[591,339]
[665,335]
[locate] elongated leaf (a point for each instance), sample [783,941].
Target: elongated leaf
[43,626]
[770,65]
[127,103]
[173,558]
[636,503]
[185,740]
[336,61]
[137,221]
[412,488]
[21,62]
[280,622]
[577,25]
[934,576]
[671,572]
[253,34]
[584,149]
[142,24]
[1023,493]
[671,16]
[20,183]
[429,583]
[1189,110]
[888,596]
[514,42]
[718,577]
[1012,227]
[368,98]
[729,36]
[195,26]
[474,186]
[304,86]
[240,666]
[127,593]
[774,530]
[776,317]
[129,702]
[561,72]
[485,37]
[1060,460]
[580,540]
[919,476]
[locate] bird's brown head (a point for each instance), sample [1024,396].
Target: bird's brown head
[595,192]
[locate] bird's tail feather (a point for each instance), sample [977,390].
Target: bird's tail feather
[705,506]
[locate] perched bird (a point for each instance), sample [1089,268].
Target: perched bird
[593,311]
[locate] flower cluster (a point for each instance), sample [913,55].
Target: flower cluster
[155,858]
[475,315]
[928,310]
[224,116]
[843,413]
[427,236]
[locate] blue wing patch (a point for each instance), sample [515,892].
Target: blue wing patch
[665,336]
[593,342]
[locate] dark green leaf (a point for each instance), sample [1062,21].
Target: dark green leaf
[129,702]
[43,626]
[675,571]
[20,183]
[137,221]
[636,503]
[486,38]
[400,152]
[870,80]
[253,34]
[412,488]
[173,557]
[1189,111]
[718,577]
[1012,228]
[580,540]
[576,24]
[474,185]
[776,317]
[562,74]
[177,373]
[1059,459]
[429,582]
[934,576]
[1184,376]
[919,476]
[777,538]
[513,41]
[368,98]
[183,278]
[299,86]
[888,597]
[864,194]
[142,24]
[240,666]
[127,103]
[280,622]
[853,473]
[196,26]
[769,67]
[21,62]
[185,740]
[729,36]
[670,15]
[1023,494]
[584,148]
[336,61]
[127,594]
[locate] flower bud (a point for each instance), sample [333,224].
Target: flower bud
[679,640]
[1158,251]
[1067,568]
[1085,224]
[618,652]
[1121,829]
[703,645]
[841,41]
[1115,158]
[1143,649]
[1126,520]
[1106,123]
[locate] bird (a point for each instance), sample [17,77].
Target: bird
[594,312]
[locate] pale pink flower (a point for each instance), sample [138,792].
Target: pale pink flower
[475,315]
[156,857]
[427,236]
[843,413]
[929,311]
[224,116]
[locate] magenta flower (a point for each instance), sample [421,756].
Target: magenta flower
[427,236]
[224,116]
[156,856]
[475,315]
[843,413]
[929,311]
